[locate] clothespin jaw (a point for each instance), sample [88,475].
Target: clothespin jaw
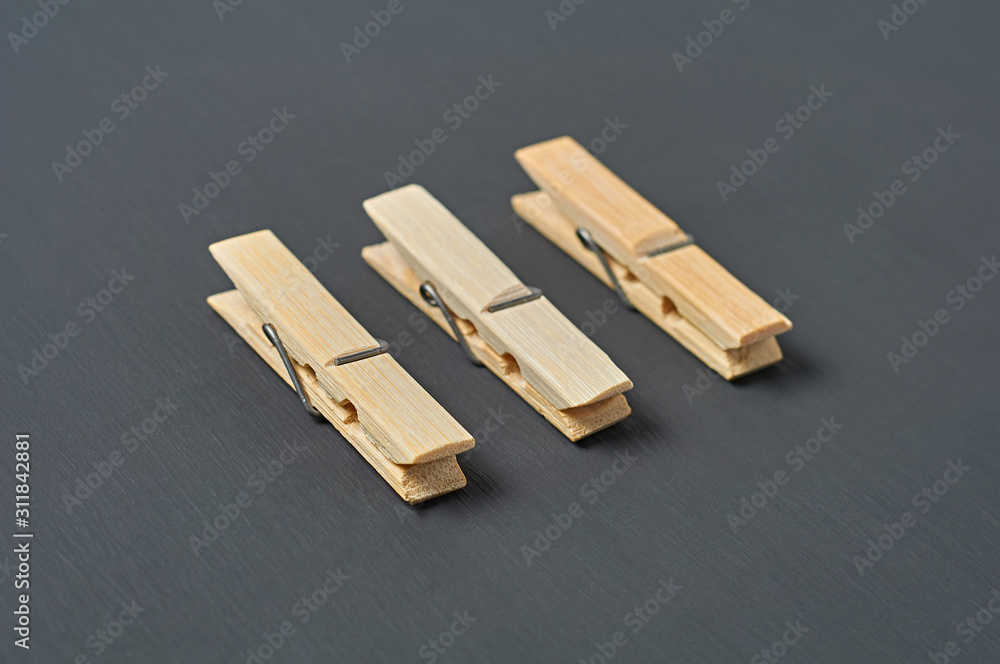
[632,246]
[445,270]
[342,371]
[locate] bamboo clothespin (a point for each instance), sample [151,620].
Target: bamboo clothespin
[588,212]
[340,371]
[450,275]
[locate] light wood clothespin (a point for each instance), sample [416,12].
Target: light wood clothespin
[655,267]
[512,329]
[339,370]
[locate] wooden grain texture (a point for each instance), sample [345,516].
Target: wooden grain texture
[574,423]
[538,209]
[554,356]
[414,483]
[401,418]
[705,293]
[665,517]
[589,190]
[629,228]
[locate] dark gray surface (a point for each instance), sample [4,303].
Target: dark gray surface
[665,517]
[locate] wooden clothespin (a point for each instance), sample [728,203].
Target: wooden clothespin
[655,267]
[339,370]
[512,329]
